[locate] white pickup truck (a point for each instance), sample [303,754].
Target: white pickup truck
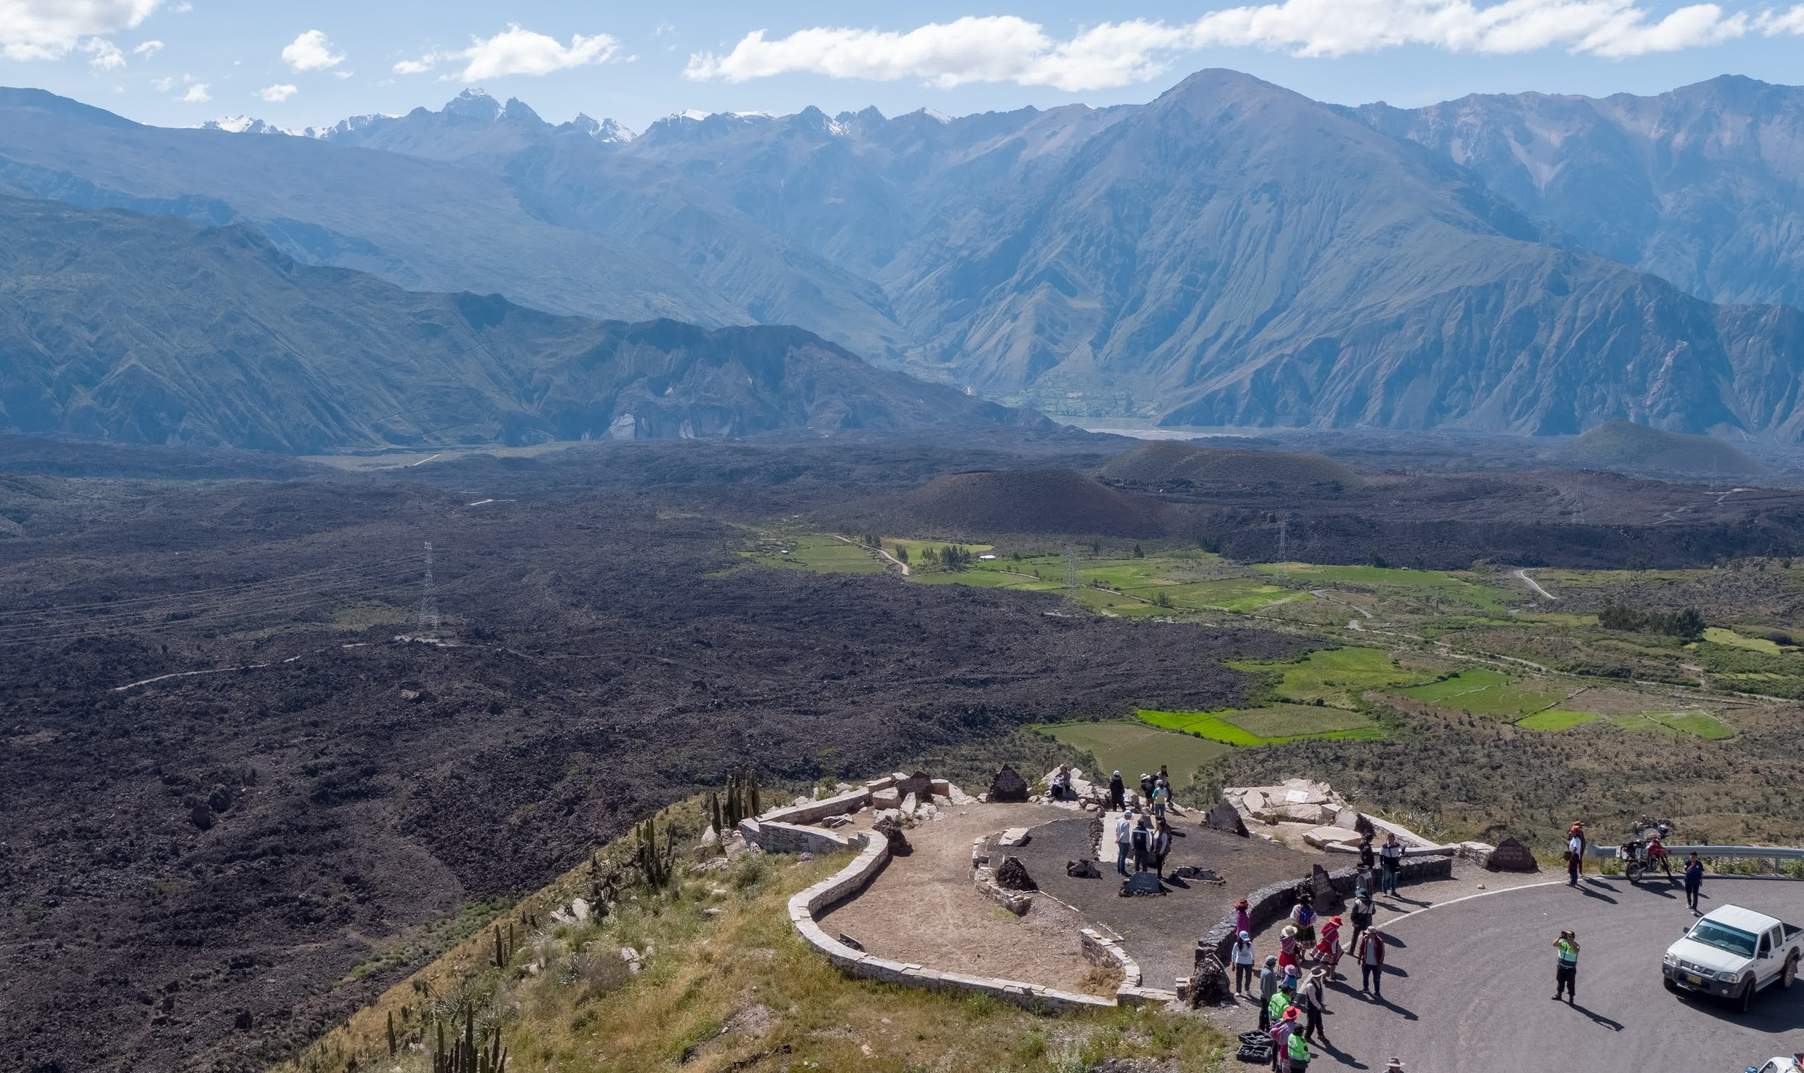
[1733,952]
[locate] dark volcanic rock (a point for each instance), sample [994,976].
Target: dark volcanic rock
[1011,874]
[1141,884]
[1209,979]
[889,828]
[1008,785]
[1512,856]
[920,784]
[1225,817]
[1083,870]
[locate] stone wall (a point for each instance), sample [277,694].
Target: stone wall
[774,837]
[873,856]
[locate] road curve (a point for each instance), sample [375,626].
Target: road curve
[1470,985]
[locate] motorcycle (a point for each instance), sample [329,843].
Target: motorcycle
[1646,851]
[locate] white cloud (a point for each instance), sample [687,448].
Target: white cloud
[1005,48]
[147,49]
[279,92]
[515,51]
[163,85]
[311,51]
[197,94]
[1774,23]
[104,55]
[51,29]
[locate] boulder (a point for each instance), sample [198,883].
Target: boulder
[891,829]
[920,784]
[1323,837]
[1141,884]
[1225,817]
[1014,836]
[1512,856]
[909,804]
[1011,874]
[1008,785]
[1364,825]
[1198,874]
[885,798]
[1209,978]
[1082,870]
[1324,897]
[710,837]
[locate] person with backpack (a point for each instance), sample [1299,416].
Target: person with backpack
[1142,844]
[1268,986]
[1302,915]
[1117,793]
[1371,962]
[1565,973]
[1284,1025]
[1241,954]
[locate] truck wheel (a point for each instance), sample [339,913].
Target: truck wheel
[1745,1001]
[1790,975]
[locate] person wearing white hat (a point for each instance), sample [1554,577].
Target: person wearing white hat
[1395,1065]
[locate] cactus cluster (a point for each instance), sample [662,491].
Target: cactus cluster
[654,858]
[504,946]
[741,803]
[464,1056]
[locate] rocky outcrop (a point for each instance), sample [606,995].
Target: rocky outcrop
[1008,786]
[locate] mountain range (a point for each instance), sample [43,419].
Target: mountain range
[1231,253]
[146,329]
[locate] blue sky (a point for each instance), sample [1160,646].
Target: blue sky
[179,63]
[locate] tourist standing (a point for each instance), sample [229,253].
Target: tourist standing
[1142,843]
[1161,846]
[1296,1045]
[1146,788]
[1694,881]
[1124,836]
[1284,1025]
[1288,954]
[1565,973]
[1575,855]
[1371,963]
[1243,917]
[1268,986]
[1161,798]
[1577,834]
[1303,916]
[1390,859]
[1368,857]
[1362,913]
[1117,793]
[1241,954]
[1315,1005]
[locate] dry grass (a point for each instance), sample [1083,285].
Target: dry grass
[727,984]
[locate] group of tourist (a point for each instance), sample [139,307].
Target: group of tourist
[1143,838]
[1292,984]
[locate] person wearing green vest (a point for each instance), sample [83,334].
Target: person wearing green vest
[1299,1052]
[1281,1000]
[1565,973]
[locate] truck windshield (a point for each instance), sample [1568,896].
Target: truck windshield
[1723,937]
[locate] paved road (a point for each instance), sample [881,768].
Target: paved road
[1471,979]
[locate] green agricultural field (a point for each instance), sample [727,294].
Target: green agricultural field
[1335,676]
[1230,594]
[1431,585]
[1556,719]
[1131,747]
[1271,725]
[1721,636]
[916,548]
[1697,724]
[1483,691]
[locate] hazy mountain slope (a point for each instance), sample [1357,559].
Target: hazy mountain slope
[1702,186]
[147,329]
[436,225]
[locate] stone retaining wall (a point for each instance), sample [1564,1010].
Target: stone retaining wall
[1272,902]
[873,856]
[776,837]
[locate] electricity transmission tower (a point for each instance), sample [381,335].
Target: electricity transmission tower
[1283,537]
[429,598]
[1070,570]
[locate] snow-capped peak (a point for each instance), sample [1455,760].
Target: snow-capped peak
[243,124]
[604,130]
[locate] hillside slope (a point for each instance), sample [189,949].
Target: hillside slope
[149,330]
[1702,186]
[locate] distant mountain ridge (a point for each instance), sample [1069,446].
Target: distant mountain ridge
[141,329]
[1229,254]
